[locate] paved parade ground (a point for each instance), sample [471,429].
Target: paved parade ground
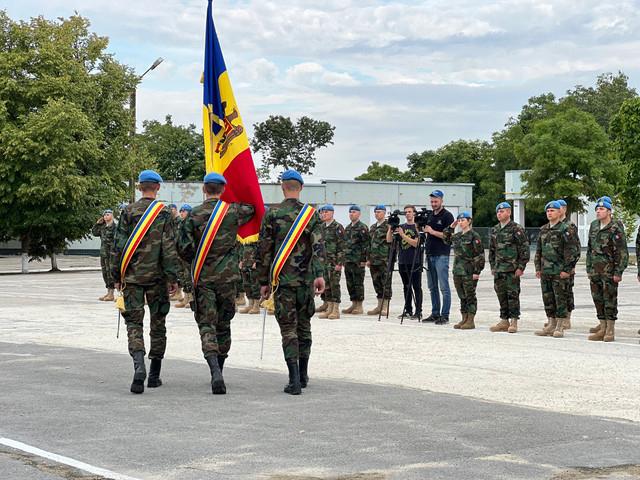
[385,401]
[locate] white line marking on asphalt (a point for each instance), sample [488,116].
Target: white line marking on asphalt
[65,460]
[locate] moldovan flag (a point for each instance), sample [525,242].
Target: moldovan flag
[225,139]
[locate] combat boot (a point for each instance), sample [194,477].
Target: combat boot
[501,326]
[293,387]
[559,331]
[458,325]
[599,334]
[109,296]
[469,324]
[323,307]
[248,308]
[154,373]
[255,306]
[609,334]
[217,382]
[358,310]
[549,329]
[350,309]
[177,296]
[595,329]
[304,377]
[567,322]
[327,311]
[384,309]
[335,313]
[513,327]
[139,373]
[376,310]
[185,301]
[104,296]
[240,301]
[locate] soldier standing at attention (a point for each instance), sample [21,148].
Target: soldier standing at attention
[467,264]
[377,258]
[208,239]
[357,241]
[607,257]
[184,272]
[290,261]
[105,228]
[250,278]
[334,243]
[508,257]
[144,263]
[554,261]
[175,221]
[571,305]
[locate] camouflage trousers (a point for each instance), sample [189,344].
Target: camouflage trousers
[571,305]
[215,307]
[250,283]
[294,308]
[158,299]
[105,265]
[184,277]
[554,295]
[507,287]
[331,283]
[466,289]
[378,273]
[354,275]
[604,292]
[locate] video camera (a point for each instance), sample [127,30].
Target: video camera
[394,219]
[422,217]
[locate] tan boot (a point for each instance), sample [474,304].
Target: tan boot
[177,296]
[501,326]
[384,309]
[376,310]
[350,309]
[559,331]
[248,308]
[104,296]
[567,322]
[595,329]
[240,300]
[513,327]
[609,334]
[109,296]
[335,313]
[184,302]
[549,329]
[323,307]
[358,310]
[328,311]
[461,322]
[255,306]
[599,334]
[469,324]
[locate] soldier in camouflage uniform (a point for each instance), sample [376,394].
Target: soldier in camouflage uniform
[356,236]
[215,290]
[508,257]
[467,265]
[638,256]
[554,261]
[607,257]
[175,223]
[184,272]
[250,278]
[377,260]
[334,244]
[575,238]
[105,228]
[151,273]
[300,277]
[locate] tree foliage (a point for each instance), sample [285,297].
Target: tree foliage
[285,145]
[381,172]
[625,126]
[64,131]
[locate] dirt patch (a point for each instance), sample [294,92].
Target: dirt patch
[64,471]
[620,471]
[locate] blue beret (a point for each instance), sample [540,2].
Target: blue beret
[502,205]
[602,203]
[107,211]
[380,207]
[464,215]
[122,205]
[149,176]
[553,204]
[185,207]
[327,207]
[354,207]
[562,203]
[173,205]
[266,208]
[436,193]
[605,199]
[292,175]
[214,177]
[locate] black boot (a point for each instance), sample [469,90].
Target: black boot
[304,378]
[293,387]
[221,360]
[140,373]
[217,382]
[154,373]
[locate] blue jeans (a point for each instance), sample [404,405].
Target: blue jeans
[438,280]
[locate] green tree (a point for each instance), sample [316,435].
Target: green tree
[285,145]
[382,173]
[177,150]
[64,131]
[625,126]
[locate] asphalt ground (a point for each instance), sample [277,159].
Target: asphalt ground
[385,401]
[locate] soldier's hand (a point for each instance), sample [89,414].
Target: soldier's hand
[254,265]
[363,264]
[265,291]
[564,275]
[617,279]
[538,274]
[369,266]
[493,273]
[172,288]
[476,276]
[240,265]
[318,286]
[116,286]
[100,220]
[519,272]
[337,268]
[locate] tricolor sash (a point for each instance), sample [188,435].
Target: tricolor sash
[290,241]
[219,211]
[138,233]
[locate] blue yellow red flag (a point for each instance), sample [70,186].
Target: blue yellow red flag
[225,139]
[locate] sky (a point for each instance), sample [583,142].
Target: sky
[393,77]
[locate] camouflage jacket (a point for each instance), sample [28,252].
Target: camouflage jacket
[306,261]
[221,262]
[106,233]
[508,248]
[468,251]
[575,241]
[378,249]
[357,242]
[555,250]
[155,260]
[607,253]
[249,254]
[334,243]
[638,250]
[175,224]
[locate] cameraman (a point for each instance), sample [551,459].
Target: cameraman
[411,280]
[438,259]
